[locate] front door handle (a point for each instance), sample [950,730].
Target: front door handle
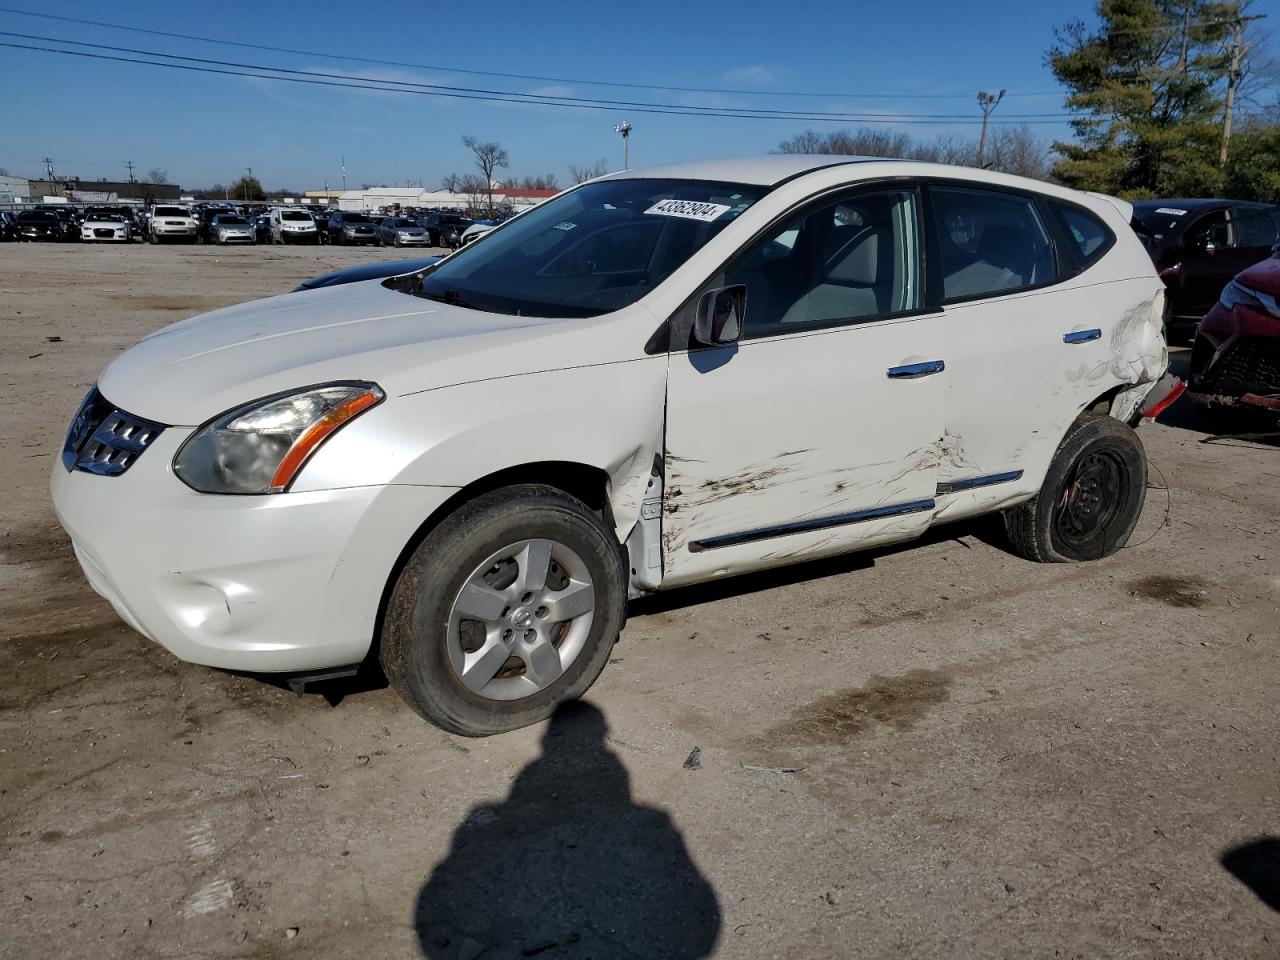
[1082,336]
[912,371]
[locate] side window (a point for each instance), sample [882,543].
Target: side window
[841,262]
[1210,229]
[1255,226]
[989,243]
[1091,236]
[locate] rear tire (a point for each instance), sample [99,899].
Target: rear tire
[426,628]
[1091,499]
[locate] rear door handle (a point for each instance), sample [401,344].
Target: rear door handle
[1082,336]
[912,371]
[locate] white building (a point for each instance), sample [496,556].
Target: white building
[375,198]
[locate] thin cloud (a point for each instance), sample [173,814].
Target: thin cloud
[752,75]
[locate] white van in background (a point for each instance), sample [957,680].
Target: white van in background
[291,225]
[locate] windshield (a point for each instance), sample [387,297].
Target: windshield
[295,215]
[355,218]
[596,249]
[224,220]
[170,212]
[1160,221]
[403,223]
[36,218]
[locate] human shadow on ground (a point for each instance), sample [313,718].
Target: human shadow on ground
[568,866]
[1256,864]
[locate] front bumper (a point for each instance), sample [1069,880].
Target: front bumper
[415,241]
[1236,351]
[164,230]
[275,583]
[236,237]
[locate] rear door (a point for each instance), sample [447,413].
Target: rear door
[819,431]
[1026,352]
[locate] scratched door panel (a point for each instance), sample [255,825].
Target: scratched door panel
[806,426]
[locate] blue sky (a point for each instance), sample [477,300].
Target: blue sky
[91,116]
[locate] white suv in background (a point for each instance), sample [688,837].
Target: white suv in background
[657,378]
[293,226]
[169,222]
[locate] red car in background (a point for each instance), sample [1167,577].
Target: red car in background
[1237,345]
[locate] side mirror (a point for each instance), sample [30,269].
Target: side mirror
[720,314]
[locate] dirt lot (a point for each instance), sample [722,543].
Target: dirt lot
[972,756]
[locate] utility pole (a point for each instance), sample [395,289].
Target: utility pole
[246,184]
[987,102]
[48,168]
[1235,73]
[624,128]
[129,164]
[344,174]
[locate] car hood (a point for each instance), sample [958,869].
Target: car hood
[1264,276]
[193,370]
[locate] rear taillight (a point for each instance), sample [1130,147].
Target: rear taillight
[1162,396]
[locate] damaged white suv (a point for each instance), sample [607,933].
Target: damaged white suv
[657,378]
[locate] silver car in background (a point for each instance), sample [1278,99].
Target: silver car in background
[232,228]
[402,232]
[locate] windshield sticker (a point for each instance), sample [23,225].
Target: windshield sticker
[566,225]
[688,209]
[1172,211]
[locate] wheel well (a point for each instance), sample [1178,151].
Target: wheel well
[586,483]
[1102,404]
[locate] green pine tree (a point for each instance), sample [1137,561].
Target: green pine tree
[1146,88]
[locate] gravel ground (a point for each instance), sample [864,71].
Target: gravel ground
[932,751]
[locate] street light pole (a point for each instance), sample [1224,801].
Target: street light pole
[988,103]
[624,128]
[246,184]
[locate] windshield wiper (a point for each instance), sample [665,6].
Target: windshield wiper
[451,298]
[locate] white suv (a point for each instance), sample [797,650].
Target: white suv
[171,222]
[657,378]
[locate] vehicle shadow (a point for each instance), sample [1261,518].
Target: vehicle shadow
[1256,864]
[568,866]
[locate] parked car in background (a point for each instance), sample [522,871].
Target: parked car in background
[106,227]
[402,232]
[1237,345]
[478,228]
[205,217]
[366,271]
[262,228]
[349,228]
[231,228]
[445,229]
[8,227]
[1199,245]
[40,226]
[758,363]
[171,222]
[293,226]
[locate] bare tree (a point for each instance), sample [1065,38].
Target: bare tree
[542,181]
[580,174]
[489,157]
[157,175]
[1016,150]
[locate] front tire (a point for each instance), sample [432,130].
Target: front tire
[1091,499]
[504,611]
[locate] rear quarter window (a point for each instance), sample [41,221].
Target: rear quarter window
[1089,236]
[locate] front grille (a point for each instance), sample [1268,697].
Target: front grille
[104,440]
[1252,366]
[103,232]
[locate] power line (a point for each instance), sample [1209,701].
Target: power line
[318,78]
[508,76]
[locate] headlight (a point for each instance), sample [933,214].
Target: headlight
[261,446]
[1234,294]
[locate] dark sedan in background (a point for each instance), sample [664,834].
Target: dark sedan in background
[1199,245]
[37,225]
[366,271]
[351,228]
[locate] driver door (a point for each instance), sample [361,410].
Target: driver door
[820,430]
